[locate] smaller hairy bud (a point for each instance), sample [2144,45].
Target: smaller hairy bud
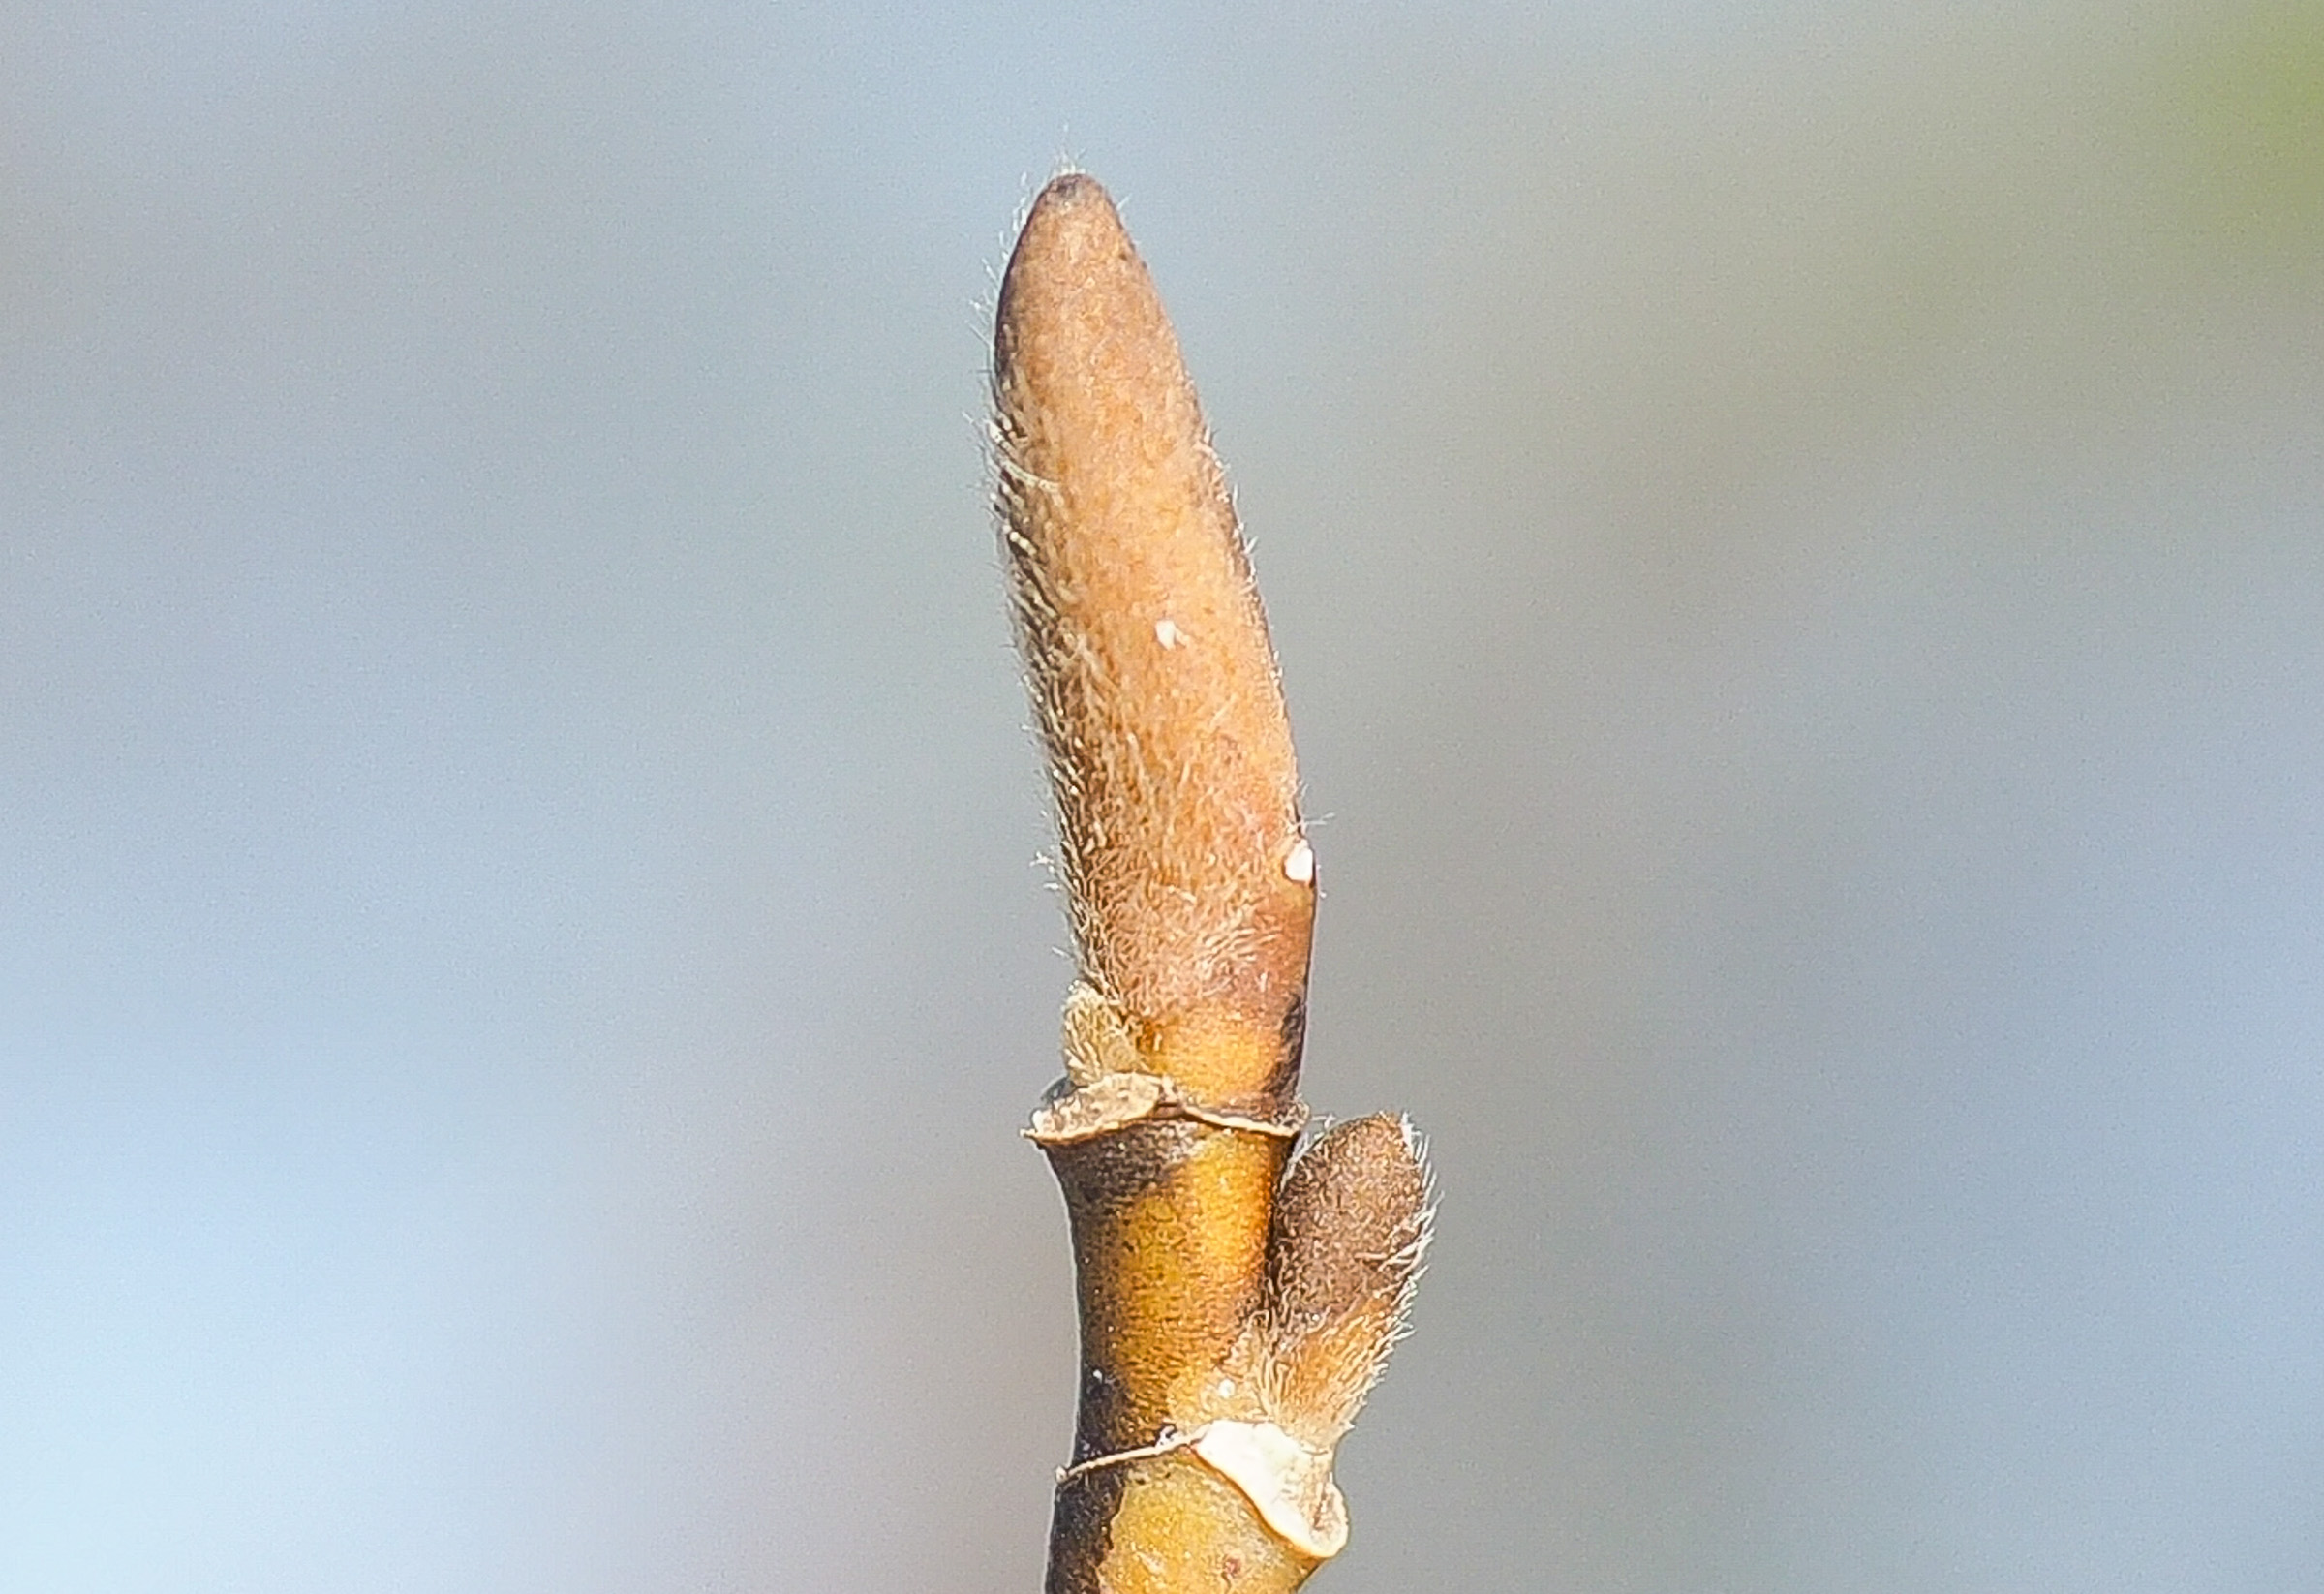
[1344,1251]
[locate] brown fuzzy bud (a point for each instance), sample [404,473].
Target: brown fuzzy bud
[1351,1226]
[1190,888]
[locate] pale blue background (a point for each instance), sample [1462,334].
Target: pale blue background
[1796,535]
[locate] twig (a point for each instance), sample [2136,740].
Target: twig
[1233,1315]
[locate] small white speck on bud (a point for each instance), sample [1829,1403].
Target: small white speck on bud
[1299,864]
[1166,632]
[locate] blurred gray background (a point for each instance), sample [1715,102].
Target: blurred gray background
[1796,538]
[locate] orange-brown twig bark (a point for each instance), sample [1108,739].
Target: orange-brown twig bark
[1232,1319]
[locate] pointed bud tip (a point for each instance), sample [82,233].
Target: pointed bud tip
[1146,652]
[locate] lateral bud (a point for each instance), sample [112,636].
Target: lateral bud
[1345,1248]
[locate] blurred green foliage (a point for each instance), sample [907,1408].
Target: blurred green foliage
[2248,102]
